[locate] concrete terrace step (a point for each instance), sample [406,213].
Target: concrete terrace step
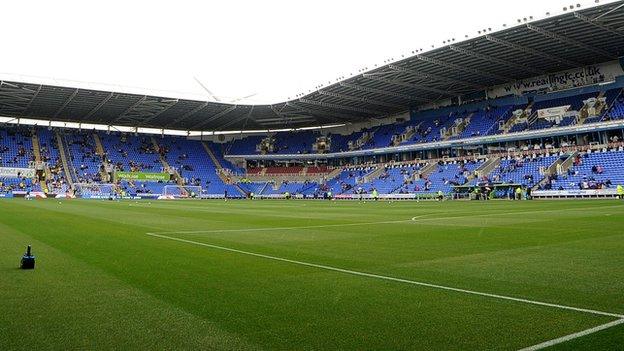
[69,173]
[166,165]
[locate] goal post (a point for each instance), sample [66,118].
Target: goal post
[95,190]
[182,192]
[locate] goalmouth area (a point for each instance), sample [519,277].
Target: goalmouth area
[285,275]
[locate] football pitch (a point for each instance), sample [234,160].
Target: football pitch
[312,275]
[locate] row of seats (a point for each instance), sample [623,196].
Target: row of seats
[593,171]
[428,127]
[526,171]
[16,148]
[82,156]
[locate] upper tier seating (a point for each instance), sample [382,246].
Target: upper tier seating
[576,102]
[617,110]
[485,122]
[294,142]
[428,124]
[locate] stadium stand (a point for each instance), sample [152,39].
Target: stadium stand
[391,136]
[16,147]
[198,165]
[597,170]
[83,157]
[526,171]
[431,127]
[55,174]
[202,163]
[194,164]
[16,152]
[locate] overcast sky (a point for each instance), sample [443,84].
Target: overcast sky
[236,48]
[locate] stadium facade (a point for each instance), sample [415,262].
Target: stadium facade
[538,106]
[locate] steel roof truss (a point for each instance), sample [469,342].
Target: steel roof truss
[563,39]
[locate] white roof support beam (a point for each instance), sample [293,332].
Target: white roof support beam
[146,109]
[316,112]
[267,123]
[215,116]
[16,99]
[342,107]
[121,116]
[159,110]
[288,116]
[408,85]
[189,114]
[495,60]
[245,116]
[285,117]
[32,99]
[360,99]
[99,106]
[384,92]
[462,68]
[568,41]
[434,77]
[595,23]
[67,102]
[533,52]
[609,12]
[278,113]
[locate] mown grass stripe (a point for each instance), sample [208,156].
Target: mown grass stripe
[383,277]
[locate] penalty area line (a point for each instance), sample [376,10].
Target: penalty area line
[388,278]
[569,337]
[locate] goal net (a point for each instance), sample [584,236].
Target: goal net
[182,192]
[95,191]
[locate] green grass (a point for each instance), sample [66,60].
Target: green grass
[102,283]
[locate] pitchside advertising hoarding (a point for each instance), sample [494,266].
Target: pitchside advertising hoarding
[147,177]
[10,172]
[584,192]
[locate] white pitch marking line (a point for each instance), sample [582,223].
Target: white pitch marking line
[573,336]
[284,228]
[382,277]
[413,219]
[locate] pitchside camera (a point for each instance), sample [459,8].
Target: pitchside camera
[28,260]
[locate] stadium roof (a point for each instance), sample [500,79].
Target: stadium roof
[574,39]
